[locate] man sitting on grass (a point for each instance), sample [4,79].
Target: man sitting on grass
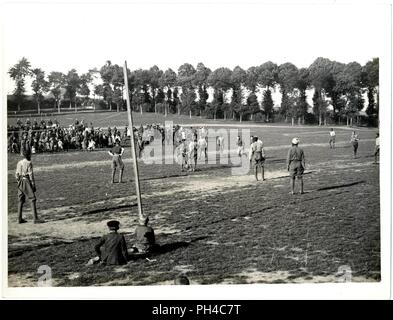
[145,238]
[112,248]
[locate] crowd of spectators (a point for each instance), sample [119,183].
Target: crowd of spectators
[50,136]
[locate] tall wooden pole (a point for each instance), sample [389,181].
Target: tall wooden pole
[133,151]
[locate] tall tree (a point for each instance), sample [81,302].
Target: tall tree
[56,82]
[287,77]
[200,81]
[238,80]
[370,79]
[39,86]
[267,78]
[155,76]
[332,90]
[106,73]
[72,84]
[349,83]
[221,80]
[302,84]
[84,90]
[117,82]
[186,74]
[319,73]
[167,82]
[18,73]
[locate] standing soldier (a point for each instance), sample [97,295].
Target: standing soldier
[116,152]
[332,139]
[193,154]
[257,156]
[376,151]
[202,147]
[240,146]
[296,164]
[355,143]
[26,186]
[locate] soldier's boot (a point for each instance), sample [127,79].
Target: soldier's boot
[35,215]
[20,207]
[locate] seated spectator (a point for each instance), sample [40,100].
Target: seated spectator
[112,248]
[145,238]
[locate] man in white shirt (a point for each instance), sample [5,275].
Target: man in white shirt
[257,157]
[26,186]
[202,147]
[332,139]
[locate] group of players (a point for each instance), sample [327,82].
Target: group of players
[191,144]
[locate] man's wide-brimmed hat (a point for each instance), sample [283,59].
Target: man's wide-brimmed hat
[295,141]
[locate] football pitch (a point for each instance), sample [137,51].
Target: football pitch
[212,225]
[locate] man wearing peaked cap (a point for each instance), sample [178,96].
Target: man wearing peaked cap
[112,248]
[296,165]
[113,225]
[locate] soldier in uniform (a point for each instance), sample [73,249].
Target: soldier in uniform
[257,157]
[116,152]
[26,186]
[296,164]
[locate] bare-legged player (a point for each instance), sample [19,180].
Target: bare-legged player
[296,165]
[116,152]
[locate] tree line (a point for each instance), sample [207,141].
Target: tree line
[234,92]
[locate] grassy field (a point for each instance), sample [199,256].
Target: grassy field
[119,119]
[216,227]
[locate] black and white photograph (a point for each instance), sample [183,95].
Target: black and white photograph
[239,149]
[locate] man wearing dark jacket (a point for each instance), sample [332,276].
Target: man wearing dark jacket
[112,248]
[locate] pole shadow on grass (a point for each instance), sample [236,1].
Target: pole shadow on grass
[341,185]
[165,248]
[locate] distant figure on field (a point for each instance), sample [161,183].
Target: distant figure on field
[332,139]
[296,165]
[257,157]
[376,151]
[116,152]
[220,143]
[112,248]
[193,154]
[355,143]
[182,149]
[202,147]
[26,186]
[240,146]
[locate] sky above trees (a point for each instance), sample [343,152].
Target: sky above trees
[58,37]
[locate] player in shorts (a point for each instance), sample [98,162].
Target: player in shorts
[202,147]
[355,143]
[376,150]
[332,139]
[257,157]
[296,165]
[240,146]
[26,186]
[184,155]
[193,154]
[116,152]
